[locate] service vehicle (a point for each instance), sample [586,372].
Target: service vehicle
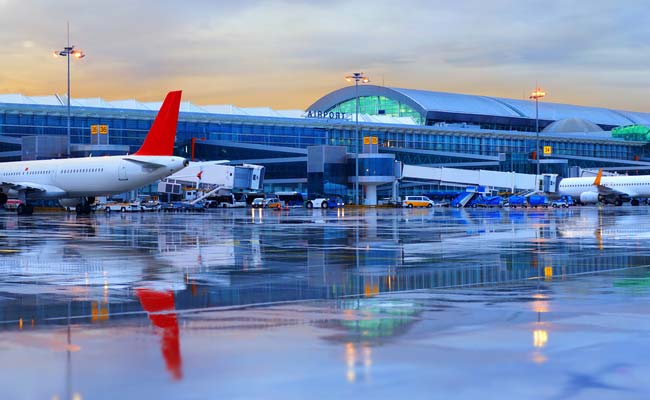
[564,202]
[515,201]
[115,207]
[538,200]
[486,201]
[325,202]
[417,201]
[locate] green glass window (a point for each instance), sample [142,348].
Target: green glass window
[378,105]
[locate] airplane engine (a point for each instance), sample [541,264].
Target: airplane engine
[589,197]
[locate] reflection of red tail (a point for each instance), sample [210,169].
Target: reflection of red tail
[156,303]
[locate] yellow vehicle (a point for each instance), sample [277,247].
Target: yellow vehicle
[272,203]
[417,201]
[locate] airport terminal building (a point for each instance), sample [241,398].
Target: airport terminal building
[407,126]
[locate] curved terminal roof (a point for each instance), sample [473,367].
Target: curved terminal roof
[572,125]
[426,101]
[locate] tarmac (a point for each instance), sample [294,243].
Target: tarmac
[363,303]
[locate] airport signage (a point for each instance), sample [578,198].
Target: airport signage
[328,115]
[101,129]
[548,150]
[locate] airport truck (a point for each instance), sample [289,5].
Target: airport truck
[517,201]
[538,200]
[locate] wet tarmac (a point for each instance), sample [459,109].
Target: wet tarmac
[386,303]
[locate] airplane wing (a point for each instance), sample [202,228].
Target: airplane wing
[24,186]
[607,191]
[30,187]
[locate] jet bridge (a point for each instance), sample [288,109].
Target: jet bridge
[495,179]
[214,176]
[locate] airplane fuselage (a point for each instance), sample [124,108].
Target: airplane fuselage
[89,176]
[620,186]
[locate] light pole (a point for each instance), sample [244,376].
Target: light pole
[537,94]
[356,77]
[69,51]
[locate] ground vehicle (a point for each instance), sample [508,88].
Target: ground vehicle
[267,203]
[417,201]
[12,204]
[486,201]
[146,203]
[180,206]
[564,201]
[325,202]
[258,202]
[538,200]
[517,201]
[291,199]
[119,207]
[272,203]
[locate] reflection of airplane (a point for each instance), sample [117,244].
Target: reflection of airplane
[607,189]
[77,181]
[160,307]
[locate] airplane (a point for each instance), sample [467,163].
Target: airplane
[76,181]
[606,189]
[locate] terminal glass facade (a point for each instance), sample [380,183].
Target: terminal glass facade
[379,105]
[256,138]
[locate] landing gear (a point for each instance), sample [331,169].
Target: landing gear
[618,202]
[84,206]
[634,202]
[24,209]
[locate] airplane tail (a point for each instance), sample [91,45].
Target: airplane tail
[598,177]
[161,136]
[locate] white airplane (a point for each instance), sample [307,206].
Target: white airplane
[76,181]
[606,189]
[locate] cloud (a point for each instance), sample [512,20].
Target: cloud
[255,52]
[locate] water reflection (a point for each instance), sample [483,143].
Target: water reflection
[280,256]
[63,272]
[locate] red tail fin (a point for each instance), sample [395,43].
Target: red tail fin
[160,139]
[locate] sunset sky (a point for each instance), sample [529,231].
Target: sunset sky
[287,54]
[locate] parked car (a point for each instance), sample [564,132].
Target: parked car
[258,202]
[417,201]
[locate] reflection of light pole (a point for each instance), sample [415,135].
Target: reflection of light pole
[537,94]
[69,51]
[356,76]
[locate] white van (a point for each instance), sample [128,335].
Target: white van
[417,201]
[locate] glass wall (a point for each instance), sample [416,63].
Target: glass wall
[411,144]
[378,105]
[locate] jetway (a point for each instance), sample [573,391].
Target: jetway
[496,179]
[210,175]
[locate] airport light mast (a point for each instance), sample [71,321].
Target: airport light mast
[356,77]
[69,51]
[537,94]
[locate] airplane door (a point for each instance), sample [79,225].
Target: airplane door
[121,173]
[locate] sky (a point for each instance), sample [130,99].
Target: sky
[288,54]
